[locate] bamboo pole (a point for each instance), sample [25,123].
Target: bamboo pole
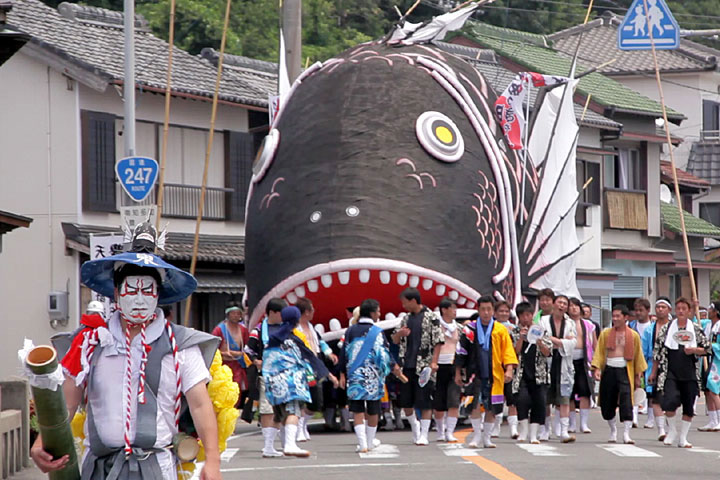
[166,124]
[52,414]
[208,151]
[678,198]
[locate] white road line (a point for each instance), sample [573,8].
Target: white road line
[382,451]
[542,450]
[622,450]
[320,466]
[702,450]
[228,454]
[458,450]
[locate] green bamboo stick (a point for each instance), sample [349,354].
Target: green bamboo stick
[52,414]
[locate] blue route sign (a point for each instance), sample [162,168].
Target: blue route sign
[137,176]
[634,33]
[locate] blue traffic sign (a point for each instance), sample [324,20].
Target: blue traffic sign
[137,176]
[635,30]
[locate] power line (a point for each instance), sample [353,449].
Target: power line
[618,9]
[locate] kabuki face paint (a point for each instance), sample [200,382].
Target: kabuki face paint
[137,298]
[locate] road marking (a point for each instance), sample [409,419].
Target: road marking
[228,454]
[458,450]
[494,469]
[622,450]
[333,466]
[702,450]
[384,450]
[542,450]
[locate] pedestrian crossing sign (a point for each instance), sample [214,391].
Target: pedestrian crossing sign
[646,18]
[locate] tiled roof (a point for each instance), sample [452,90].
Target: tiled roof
[704,161]
[694,226]
[91,38]
[599,45]
[604,90]
[220,283]
[684,178]
[228,249]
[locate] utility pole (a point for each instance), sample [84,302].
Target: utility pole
[292,31]
[129,83]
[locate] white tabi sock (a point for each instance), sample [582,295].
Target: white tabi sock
[306,420]
[424,428]
[440,425]
[635,415]
[487,435]
[290,436]
[269,434]
[301,429]
[684,429]
[660,424]
[362,437]
[513,422]
[477,431]
[282,436]
[370,434]
[651,417]
[533,438]
[573,421]
[612,423]
[522,427]
[671,430]
[557,431]
[716,418]
[450,427]
[496,426]
[414,425]
[626,434]
[584,416]
[564,426]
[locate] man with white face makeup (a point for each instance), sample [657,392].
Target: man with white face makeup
[134,371]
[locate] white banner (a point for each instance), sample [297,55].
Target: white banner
[132,215]
[105,245]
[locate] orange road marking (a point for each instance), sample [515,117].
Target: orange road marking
[490,467]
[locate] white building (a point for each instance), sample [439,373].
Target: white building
[61,132]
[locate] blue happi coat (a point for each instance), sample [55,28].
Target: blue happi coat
[367,381]
[285,373]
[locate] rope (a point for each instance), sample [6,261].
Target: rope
[128,392]
[143,362]
[176,364]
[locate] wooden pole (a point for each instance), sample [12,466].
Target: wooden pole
[166,124]
[691,274]
[208,151]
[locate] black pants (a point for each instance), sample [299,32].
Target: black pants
[414,396]
[371,407]
[614,392]
[679,392]
[447,392]
[531,399]
[581,388]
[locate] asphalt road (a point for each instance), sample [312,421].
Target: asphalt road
[590,457]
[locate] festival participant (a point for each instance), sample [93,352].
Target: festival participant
[503,313]
[485,350]
[446,400]
[582,357]
[562,371]
[420,337]
[234,337]
[662,317]
[618,364]
[532,376]
[258,341]
[641,322]
[364,363]
[674,369]
[546,298]
[290,368]
[134,370]
[587,315]
[712,377]
[321,350]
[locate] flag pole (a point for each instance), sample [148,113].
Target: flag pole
[208,151]
[166,122]
[668,139]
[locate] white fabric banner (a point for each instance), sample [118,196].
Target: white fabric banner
[103,245]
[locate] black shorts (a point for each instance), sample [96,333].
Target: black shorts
[581,388]
[371,407]
[677,393]
[510,399]
[412,396]
[482,393]
[447,392]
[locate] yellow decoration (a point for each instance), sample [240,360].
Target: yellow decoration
[444,134]
[223,393]
[186,470]
[301,335]
[226,422]
[201,452]
[77,425]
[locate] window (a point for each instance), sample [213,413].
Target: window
[590,195]
[98,161]
[711,119]
[239,155]
[625,170]
[710,212]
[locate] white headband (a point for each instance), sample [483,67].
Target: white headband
[663,302]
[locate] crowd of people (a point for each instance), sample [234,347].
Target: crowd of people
[544,369]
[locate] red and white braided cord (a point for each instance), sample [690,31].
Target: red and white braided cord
[128,392]
[176,364]
[92,339]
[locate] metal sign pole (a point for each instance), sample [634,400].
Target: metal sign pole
[129,83]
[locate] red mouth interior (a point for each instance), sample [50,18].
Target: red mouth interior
[332,301]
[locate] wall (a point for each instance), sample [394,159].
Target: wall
[38,133]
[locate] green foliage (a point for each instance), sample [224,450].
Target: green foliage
[331,26]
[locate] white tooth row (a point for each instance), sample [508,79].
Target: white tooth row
[364,275]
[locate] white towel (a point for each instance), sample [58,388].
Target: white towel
[672,330]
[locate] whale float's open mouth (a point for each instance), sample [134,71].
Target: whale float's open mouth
[337,285]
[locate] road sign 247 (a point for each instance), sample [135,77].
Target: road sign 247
[645,18]
[137,176]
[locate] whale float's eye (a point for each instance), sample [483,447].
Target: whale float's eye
[439,136]
[265,155]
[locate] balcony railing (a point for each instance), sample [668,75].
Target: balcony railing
[181,201]
[710,135]
[625,210]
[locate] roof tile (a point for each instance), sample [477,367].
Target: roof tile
[694,226]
